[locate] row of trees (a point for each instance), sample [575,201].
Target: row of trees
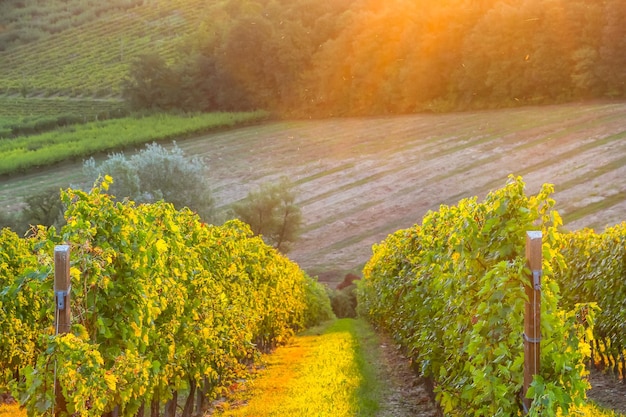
[451,291]
[363,57]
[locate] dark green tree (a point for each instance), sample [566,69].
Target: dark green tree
[612,51]
[151,84]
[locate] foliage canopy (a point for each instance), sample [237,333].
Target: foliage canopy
[157,173]
[271,212]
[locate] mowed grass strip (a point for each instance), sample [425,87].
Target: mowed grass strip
[27,152]
[327,371]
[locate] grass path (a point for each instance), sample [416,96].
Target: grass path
[335,370]
[340,369]
[323,372]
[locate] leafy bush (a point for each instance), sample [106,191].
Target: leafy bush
[156,173]
[318,307]
[10,220]
[344,301]
[44,208]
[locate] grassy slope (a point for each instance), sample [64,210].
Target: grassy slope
[361,179]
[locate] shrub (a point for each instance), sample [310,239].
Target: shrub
[44,208]
[318,305]
[156,173]
[9,220]
[344,301]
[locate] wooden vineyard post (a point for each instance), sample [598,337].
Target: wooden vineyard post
[532,314]
[62,321]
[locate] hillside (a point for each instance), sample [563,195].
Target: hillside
[360,179]
[88,52]
[306,57]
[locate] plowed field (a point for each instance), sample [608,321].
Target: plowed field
[361,179]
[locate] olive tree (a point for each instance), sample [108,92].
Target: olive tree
[272,213]
[157,173]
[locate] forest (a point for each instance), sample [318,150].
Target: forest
[365,57]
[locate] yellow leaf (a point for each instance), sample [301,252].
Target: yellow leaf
[161,246]
[107,181]
[74,272]
[111,381]
[136,329]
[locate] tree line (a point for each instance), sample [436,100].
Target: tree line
[364,57]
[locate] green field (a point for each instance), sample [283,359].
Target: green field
[82,141]
[21,116]
[361,179]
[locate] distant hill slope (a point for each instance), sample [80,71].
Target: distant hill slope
[308,58]
[359,179]
[82,48]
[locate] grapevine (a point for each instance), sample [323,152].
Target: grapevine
[451,290]
[595,267]
[162,303]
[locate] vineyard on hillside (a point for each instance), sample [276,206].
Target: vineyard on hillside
[451,291]
[40,107]
[163,305]
[27,116]
[108,43]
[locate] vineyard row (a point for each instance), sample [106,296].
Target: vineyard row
[451,291]
[80,141]
[162,304]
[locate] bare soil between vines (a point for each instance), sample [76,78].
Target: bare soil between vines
[607,391]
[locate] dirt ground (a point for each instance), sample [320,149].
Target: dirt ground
[607,391]
[408,395]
